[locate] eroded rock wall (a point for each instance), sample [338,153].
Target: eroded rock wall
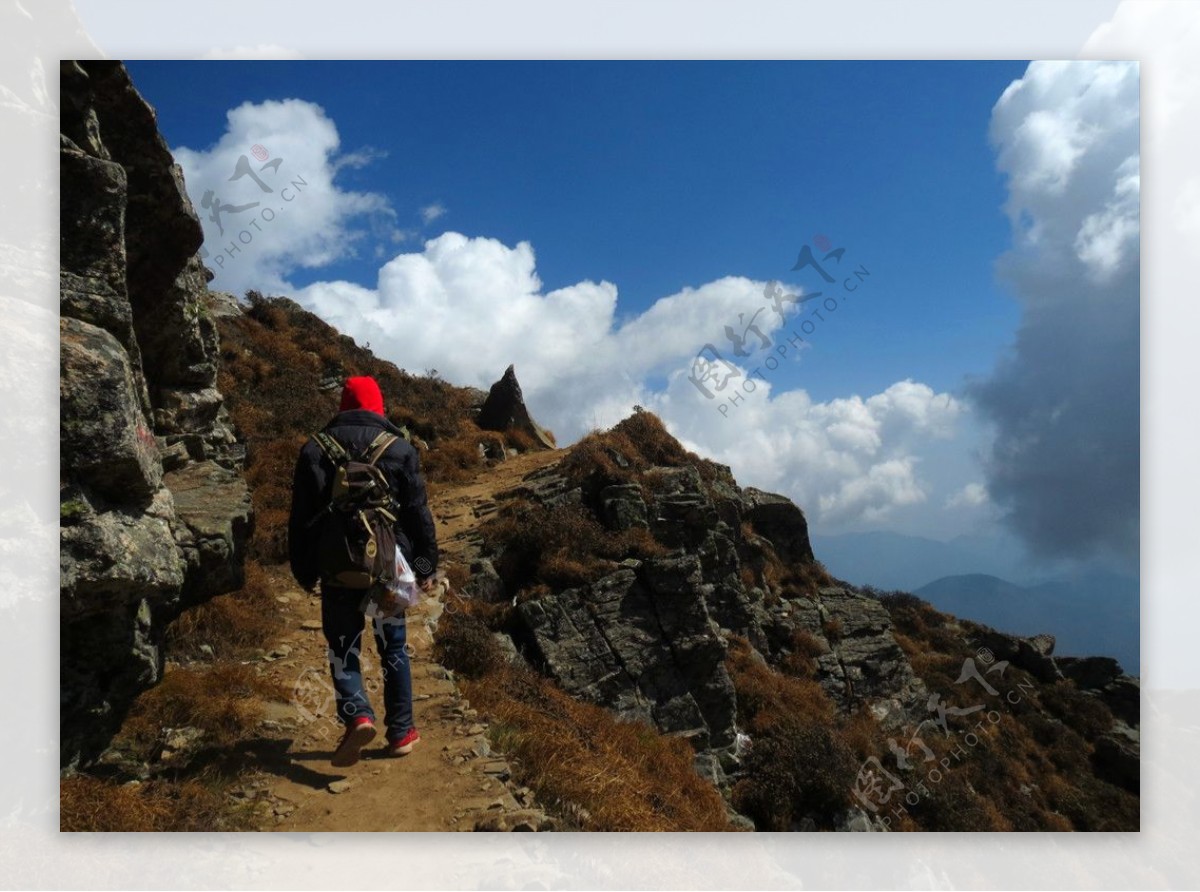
[154,512]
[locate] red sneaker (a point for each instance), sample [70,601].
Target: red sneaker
[360,732]
[404,745]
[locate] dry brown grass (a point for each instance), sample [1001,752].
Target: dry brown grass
[801,660]
[270,464]
[560,546]
[225,701]
[766,696]
[457,575]
[607,774]
[805,753]
[521,441]
[619,455]
[862,734]
[795,769]
[465,643]
[88,804]
[1031,770]
[748,577]
[804,579]
[600,772]
[234,624]
[763,567]
[456,459]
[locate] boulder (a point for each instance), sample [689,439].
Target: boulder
[1102,676]
[106,660]
[683,519]
[1123,696]
[527,820]
[92,235]
[214,510]
[179,411]
[640,642]
[622,507]
[1033,654]
[77,119]
[104,437]
[163,231]
[862,662]
[1116,757]
[781,521]
[176,331]
[112,558]
[1090,673]
[223,305]
[485,583]
[648,640]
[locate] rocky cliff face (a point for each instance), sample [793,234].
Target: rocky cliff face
[154,512]
[675,577]
[649,639]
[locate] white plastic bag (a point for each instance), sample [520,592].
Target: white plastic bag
[404,585]
[401,593]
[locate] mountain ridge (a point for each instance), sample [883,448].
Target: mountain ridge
[645,644]
[1094,613]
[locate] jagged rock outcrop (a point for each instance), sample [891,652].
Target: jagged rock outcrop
[1033,654]
[641,642]
[649,640]
[505,410]
[154,513]
[640,577]
[1117,754]
[1103,677]
[781,521]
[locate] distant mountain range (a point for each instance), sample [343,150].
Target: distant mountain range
[1094,614]
[895,561]
[1089,613]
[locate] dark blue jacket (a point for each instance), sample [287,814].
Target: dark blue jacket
[355,430]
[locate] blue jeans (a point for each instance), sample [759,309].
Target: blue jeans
[343,624]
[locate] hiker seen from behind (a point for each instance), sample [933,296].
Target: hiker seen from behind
[360,526]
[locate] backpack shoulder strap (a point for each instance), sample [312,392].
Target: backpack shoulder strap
[380,445]
[331,447]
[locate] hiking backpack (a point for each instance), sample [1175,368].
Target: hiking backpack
[356,547]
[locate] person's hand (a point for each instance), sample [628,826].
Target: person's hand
[427,584]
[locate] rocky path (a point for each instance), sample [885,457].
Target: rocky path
[451,780]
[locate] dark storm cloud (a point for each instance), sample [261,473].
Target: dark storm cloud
[1064,401]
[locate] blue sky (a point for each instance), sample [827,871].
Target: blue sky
[598,223]
[657,176]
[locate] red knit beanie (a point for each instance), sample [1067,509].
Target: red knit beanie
[362,393]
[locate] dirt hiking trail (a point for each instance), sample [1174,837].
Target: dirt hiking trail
[451,780]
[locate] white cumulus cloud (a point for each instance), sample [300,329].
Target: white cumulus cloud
[268,198]
[470,306]
[846,460]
